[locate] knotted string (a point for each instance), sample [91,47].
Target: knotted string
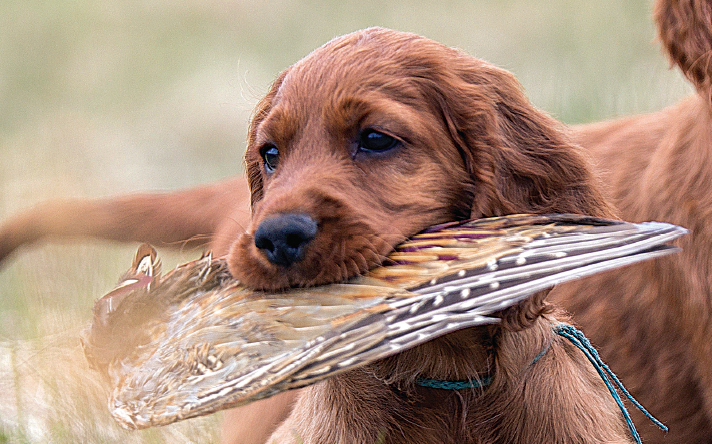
[577,338]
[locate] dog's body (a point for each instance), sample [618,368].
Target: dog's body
[659,314]
[370,139]
[658,324]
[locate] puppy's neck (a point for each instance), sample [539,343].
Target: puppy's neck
[473,354]
[463,355]
[383,400]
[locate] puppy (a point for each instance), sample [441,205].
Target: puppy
[368,140]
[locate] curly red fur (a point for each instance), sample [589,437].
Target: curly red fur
[686,35]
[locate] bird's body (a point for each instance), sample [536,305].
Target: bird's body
[195,340]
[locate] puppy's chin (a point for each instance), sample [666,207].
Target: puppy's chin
[325,262]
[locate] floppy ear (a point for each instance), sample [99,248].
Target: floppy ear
[685,30]
[520,159]
[253,164]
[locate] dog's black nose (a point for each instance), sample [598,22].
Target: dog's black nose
[284,238]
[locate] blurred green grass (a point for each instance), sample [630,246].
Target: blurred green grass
[98,98]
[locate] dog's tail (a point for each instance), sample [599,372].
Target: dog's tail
[685,31]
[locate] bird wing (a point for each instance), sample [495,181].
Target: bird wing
[205,342]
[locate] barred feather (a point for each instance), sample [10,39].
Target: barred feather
[195,341]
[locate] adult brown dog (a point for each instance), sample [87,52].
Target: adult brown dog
[368,140]
[658,316]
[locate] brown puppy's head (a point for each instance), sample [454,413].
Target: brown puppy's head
[379,134]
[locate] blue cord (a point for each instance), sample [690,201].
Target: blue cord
[609,378]
[541,354]
[581,342]
[453,385]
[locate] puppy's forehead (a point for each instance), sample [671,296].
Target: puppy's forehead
[363,60]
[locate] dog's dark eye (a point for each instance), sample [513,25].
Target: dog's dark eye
[270,154]
[372,140]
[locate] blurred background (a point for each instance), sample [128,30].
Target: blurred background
[105,97]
